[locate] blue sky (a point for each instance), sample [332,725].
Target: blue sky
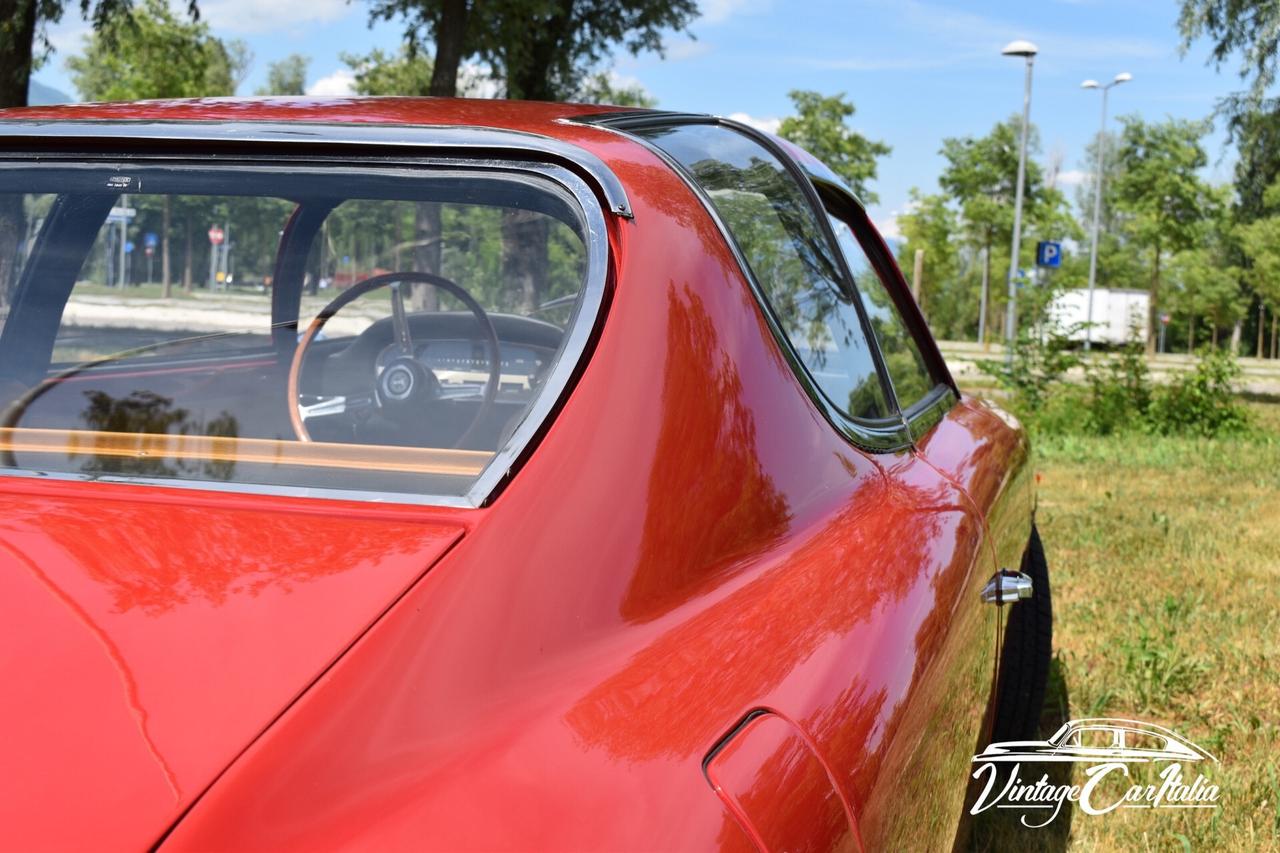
[917,70]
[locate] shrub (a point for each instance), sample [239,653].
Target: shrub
[1201,402]
[1037,366]
[1119,393]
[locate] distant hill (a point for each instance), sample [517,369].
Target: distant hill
[38,95]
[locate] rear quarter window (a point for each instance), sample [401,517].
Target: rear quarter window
[176,323]
[783,244]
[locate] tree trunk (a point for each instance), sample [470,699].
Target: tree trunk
[166,286]
[451,36]
[529,70]
[1235,337]
[1213,336]
[1191,334]
[1262,325]
[17,31]
[1153,329]
[186,259]
[984,304]
[1275,333]
[524,255]
[427,234]
[17,34]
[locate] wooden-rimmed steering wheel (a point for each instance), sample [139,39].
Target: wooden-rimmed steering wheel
[405,386]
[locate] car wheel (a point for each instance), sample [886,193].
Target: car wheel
[1028,649]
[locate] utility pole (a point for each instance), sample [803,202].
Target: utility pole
[1027,51]
[917,275]
[1122,77]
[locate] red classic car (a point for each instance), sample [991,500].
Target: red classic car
[634,508]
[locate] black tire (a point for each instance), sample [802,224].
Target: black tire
[1028,651]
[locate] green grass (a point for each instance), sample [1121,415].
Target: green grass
[1164,555]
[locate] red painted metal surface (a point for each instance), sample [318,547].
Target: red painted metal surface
[765,758]
[150,636]
[689,541]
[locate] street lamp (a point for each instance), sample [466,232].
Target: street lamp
[1027,51]
[1123,77]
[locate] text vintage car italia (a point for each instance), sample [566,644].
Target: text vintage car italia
[430,474]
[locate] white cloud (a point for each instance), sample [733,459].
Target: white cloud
[719,11]
[256,16]
[888,225]
[687,49]
[340,83]
[768,125]
[476,80]
[888,228]
[1072,177]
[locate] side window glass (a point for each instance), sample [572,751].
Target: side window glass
[902,357]
[781,239]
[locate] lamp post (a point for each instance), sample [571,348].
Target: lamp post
[1123,77]
[1027,51]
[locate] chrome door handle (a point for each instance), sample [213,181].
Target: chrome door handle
[1006,587]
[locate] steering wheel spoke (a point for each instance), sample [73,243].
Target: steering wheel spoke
[400,320]
[342,404]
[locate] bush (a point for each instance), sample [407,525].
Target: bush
[1037,367]
[1118,395]
[1202,402]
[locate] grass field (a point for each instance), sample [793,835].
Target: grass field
[1164,555]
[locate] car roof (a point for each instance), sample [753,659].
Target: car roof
[531,116]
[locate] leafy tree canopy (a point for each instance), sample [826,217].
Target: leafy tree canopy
[150,52]
[820,126]
[287,77]
[1159,185]
[405,73]
[539,49]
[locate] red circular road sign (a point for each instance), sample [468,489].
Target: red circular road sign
[215,235]
[1164,318]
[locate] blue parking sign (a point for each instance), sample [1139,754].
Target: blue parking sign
[1048,254]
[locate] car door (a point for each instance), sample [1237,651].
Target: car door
[902,712]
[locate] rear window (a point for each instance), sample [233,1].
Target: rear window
[384,331]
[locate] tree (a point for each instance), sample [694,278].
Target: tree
[23,46]
[981,176]
[539,49]
[1161,193]
[820,126]
[603,88]
[406,73]
[287,77]
[1260,241]
[931,225]
[149,52]
[1246,27]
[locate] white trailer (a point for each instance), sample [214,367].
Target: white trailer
[1119,316]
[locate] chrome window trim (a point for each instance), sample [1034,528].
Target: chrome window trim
[473,142]
[575,349]
[885,435]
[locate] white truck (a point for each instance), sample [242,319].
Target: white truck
[1119,316]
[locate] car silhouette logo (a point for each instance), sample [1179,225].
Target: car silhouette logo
[1099,739]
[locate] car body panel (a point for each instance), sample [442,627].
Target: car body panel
[151,638]
[764,755]
[690,540]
